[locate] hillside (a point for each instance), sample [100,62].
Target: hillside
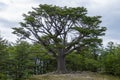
[75,76]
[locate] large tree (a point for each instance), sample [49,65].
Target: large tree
[61,30]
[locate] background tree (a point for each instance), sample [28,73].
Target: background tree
[110,59]
[19,61]
[61,30]
[3,58]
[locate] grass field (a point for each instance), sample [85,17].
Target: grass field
[74,76]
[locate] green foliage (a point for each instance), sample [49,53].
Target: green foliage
[112,64]
[111,59]
[91,65]
[3,58]
[3,76]
[78,62]
[19,61]
[37,51]
[75,62]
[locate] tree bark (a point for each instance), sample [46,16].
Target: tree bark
[61,67]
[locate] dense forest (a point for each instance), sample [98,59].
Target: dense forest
[65,39]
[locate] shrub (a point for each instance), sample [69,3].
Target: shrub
[91,64]
[111,64]
[77,62]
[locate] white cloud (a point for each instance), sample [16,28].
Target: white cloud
[15,9]
[6,33]
[110,39]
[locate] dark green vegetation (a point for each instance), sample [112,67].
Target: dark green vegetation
[64,40]
[21,60]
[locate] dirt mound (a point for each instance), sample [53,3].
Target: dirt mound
[74,76]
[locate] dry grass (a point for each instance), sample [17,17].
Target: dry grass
[76,76]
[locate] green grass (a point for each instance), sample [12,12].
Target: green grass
[76,76]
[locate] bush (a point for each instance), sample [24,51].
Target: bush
[77,62]
[91,64]
[3,76]
[110,59]
[111,64]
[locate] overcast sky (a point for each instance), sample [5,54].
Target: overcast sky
[11,14]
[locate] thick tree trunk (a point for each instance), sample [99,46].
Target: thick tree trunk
[61,68]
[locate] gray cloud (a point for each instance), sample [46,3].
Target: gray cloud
[7,23]
[3,6]
[72,3]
